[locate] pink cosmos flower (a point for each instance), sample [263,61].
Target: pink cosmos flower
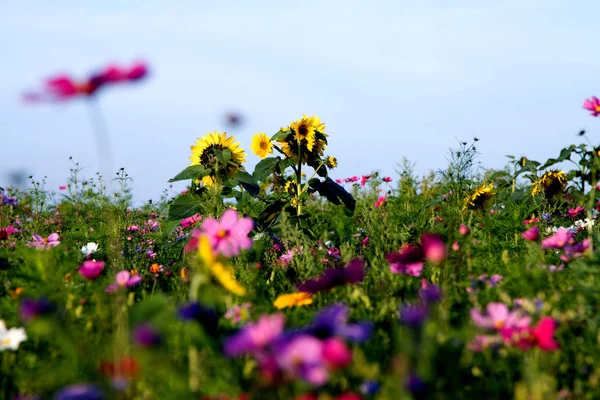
[576,250]
[573,212]
[499,317]
[380,201]
[6,232]
[303,357]
[189,221]
[253,337]
[387,179]
[133,228]
[123,280]
[434,248]
[593,105]
[286,257]
[335,353]
[541,335]
[229,234]
[44,243]
[560,239]
[62,187]
[463,230]
[532,234]
[91,269]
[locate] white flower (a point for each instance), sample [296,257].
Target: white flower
[89,248]
[10,339]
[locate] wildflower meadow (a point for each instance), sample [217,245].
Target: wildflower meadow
[285,280]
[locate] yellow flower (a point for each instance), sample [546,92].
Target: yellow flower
[331,162]
[203,153]
[480,198]
[293,299]
[550,184]
[261,145]
[294,202]
[222,272]
[304,130]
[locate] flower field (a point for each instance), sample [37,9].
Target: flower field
[285,280]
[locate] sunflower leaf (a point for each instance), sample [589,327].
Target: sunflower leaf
[264,168]
[280,134]
[191,172]
[248,182]
[185,206]
[332,192]
[223,156]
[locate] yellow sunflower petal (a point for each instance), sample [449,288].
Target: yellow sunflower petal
[293,299]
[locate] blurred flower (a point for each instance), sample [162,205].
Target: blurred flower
[408,260]
[261,145]
[189,221]
[6,232]
[89,249]
[370,387]
[335,353]
[62,187]
[463,230]
[560,239]
[573,212]
[9,200]
[10,339]
[302,357]
[576,250]
[222,272]
[255,336]
[532,234]
[499,317]
[415,385]
[133,228]
[80,391]
[550,184]
[387,179]
[592,104]
[430,293]
[91,269]
[124,279]
[380,201]
[229,234]
[333,322]
[44,243]
[144,335]
[336,276]
[238,312]
[541,335]
[434,248]
[156,269]
[413,315]
[480,197]
[205,316]
[293,299]
[31,308]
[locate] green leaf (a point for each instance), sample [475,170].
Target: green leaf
[271,212]
[248,182]
[280,134]
[223,156]
[191,172]
[185,206]
[264,168]
[565,154]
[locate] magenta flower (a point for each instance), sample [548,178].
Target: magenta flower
[593,105]
[434,248]
[302,357]
[254,337]
[44,243]
[123,280]
[573,212]
[335,353]
[91,269]
[532,234]
[463,230]
[189,221]
[6,232]
[379,201]
[576,250]
[133,228]
[387,179]
[229,234]
[541,335]
[409,260]
[560,239]
[499,317]
[336,276]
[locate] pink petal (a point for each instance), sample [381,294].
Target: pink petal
[134,280]
[122,278]
[229,219]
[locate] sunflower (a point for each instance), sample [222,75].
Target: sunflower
[309,133]
[331,162]
[293,299]
[550,184]
[480,198]
[206,152]
[261,145]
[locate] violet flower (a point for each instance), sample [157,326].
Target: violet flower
[333,322]
[336,276]
[123,280]
[253,337]
[31,308]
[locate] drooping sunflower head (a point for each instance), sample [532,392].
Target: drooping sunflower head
[331,162]
[261,145]
[480,197]
[550,184]
[219,153]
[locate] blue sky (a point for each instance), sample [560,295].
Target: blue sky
[390,79]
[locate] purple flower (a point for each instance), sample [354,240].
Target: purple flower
[333,277]
[44,243]
[560,239]
[431,293]
[333,321]
[415,385]
[413,315]
[254,337]
[80,391]
[91,269]
[9,200]
[144,335]
[370,387]
[207,317]
[302,357]
[123,280]
[408,260]
[229,234]
[31,308]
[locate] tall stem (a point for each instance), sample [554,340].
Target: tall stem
[103,148]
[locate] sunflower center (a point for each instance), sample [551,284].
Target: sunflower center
[208,153]
[264,145]
[303,130]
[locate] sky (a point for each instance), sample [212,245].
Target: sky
[390,79]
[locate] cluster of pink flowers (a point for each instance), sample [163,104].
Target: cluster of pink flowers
[191,221]
[484,281]
[409,260]
[512,328]
[63,87]
[123,280]
[227,235]
[564,240]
